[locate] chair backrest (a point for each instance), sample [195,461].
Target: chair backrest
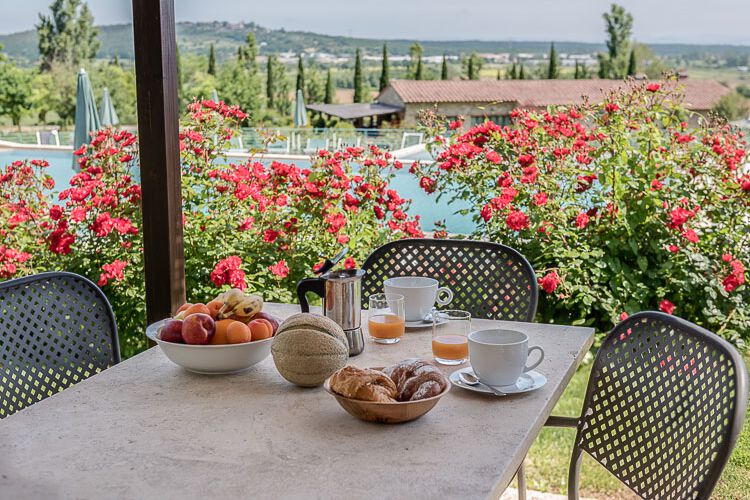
[665,404]
[411,139]
[47,138]
[489,280]
[56,329]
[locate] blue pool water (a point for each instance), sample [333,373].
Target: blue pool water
[427,206]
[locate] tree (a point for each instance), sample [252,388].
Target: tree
[415,60]
[553,70]
[473,66]
[270,83]
[385,72]
[55,90]
[121,85]
[581,72]
[743,90]
[359,88]
[279,99]
[498,76]
[250,52]
[444,69]
[732,106]
[238,85]
[513,73]
[15,92]
[67,35]
[315,86]
[116,60]
[632,64]
[619,27]
[211,61]
[178,63]
[521,74]
[300,75]
[419,75]
[330,89]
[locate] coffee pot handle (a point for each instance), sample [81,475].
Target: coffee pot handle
[314,285]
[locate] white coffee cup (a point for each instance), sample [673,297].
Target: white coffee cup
[420,295]
[498,356]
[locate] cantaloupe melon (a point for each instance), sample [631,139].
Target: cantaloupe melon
[308,348]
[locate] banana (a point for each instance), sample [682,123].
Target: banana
[238,305]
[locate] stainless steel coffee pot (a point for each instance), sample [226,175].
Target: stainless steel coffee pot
[341,291]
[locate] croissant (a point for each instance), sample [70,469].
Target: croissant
[416,379]
[364,384]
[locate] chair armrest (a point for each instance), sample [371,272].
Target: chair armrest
[555,421]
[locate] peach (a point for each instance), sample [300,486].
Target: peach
[197,308]
[270,318]
[220,337]
[261,329]
[213,307]
[238,333]
[198,328]
[182,308]
[171,331]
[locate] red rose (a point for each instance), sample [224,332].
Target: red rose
[549,281]
[427,184]
[517,220]
[673,248]
[280,269]
[540,199]
[623,316]
[582,220]
[690,235]
[350,263]
[666,306]
[486,213]
[653,87]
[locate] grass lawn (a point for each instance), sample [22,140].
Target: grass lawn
[547,462]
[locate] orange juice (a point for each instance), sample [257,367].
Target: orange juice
[450,347]
[386,326]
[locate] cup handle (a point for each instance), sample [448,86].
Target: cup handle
[448,296]
[541,358]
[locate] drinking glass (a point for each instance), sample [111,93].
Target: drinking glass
[386,322]
[450,331]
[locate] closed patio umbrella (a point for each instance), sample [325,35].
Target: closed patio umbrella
[107,114]
[87,119]
[214,96]
[300,111]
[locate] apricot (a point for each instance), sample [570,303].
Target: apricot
[220,337]
[238,333]
[196,309]
[261,329]
[214,307]
[182,308]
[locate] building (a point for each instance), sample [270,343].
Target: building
[478,100]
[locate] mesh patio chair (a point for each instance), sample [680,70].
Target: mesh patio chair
[664,407]
[489,280]
[56,329]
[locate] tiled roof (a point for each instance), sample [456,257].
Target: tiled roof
[699,94]
[356,110]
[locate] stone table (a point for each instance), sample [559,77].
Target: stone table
[148,429]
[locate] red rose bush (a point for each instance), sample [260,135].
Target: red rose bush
[631,204]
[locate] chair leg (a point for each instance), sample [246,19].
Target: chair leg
[521,475]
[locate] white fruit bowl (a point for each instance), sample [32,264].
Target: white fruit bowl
[212,359]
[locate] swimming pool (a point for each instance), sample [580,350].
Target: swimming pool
[427,206]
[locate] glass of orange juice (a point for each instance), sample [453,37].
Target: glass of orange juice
[386,318]
[450,336]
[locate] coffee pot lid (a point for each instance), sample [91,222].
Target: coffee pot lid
[343,275]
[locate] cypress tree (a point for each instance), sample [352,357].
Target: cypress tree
[359,91]
[240,55]
[521,74]
[270,83]
[577,73]
[116,60]
[497,77]
[385,72]
[470,68]
[513,73]
[419,73]
[632,64]
[212,60]
[553,71]
[300,75]
[330,89]
[444,69]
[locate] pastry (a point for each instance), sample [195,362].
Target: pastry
[364,384]
[416,379]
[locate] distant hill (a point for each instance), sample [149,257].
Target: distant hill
[196,38]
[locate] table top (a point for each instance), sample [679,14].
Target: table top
[146,428]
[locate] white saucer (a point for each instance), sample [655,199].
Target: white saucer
[527,382]
[425,323]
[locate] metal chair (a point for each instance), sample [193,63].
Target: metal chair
[489,280]
[664,407]
[56,329]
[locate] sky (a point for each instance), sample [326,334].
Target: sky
[690,21]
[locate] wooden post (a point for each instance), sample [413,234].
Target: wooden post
[158,136]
